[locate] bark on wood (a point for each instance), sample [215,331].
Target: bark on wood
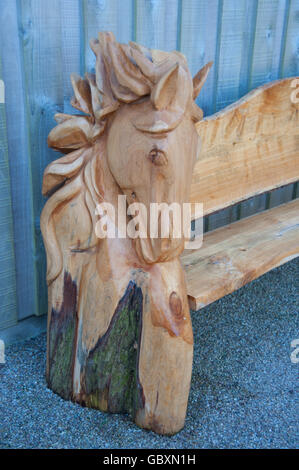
[119,329]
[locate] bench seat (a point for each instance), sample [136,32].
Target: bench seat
[234,255]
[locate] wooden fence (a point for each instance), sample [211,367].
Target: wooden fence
[42,41]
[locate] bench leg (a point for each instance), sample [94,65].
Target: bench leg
[142,364]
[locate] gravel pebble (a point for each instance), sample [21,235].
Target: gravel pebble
[244,391]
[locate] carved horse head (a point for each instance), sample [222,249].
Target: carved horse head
[141,104]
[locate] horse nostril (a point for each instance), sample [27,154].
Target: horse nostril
[157,157]
[133,195]
[153,155]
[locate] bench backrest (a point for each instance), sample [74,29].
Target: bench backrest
[249,147]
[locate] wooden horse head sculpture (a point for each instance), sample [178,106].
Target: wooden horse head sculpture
[119,329]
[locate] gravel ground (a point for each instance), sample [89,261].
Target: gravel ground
[244,391]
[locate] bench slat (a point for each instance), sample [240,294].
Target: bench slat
[249,147]
[234,255]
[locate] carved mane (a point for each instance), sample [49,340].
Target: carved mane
[124,74]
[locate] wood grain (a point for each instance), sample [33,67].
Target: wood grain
[72,43]
[236,254]
[290,55]
[197,40]
[157,24]
[201,32]
[19,161]
[248,148]
[268,41]
[109,15]
[119,329]
[43,88]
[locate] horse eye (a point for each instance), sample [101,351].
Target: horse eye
[158,157]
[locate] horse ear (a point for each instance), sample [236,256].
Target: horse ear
[200,78]
[165,90]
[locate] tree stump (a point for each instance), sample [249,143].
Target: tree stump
[119,329]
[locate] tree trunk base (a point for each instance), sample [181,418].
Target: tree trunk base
[137,367]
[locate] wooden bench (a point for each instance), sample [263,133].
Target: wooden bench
[235,165]
[119,329]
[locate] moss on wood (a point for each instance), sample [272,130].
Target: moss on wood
[62,341]
[111,371]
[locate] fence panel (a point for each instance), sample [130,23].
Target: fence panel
[44,88]
[8,307]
